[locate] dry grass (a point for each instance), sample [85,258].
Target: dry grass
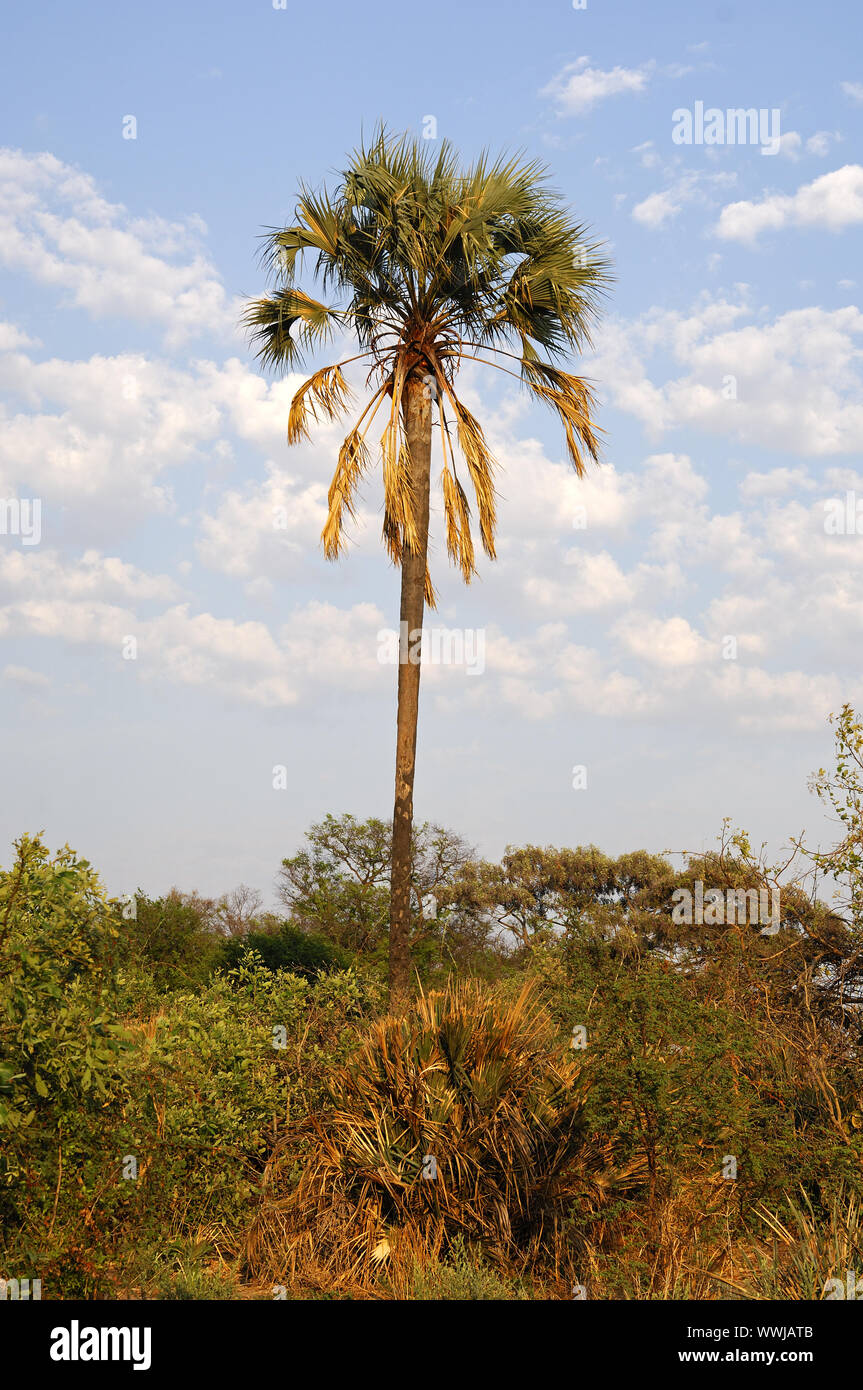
[802,1253]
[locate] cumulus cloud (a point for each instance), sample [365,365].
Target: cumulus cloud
[832,202]
[25,678]
[656,209]
[669,642]
[127,433]
[578,87]
[595,581]
[263,529]
[792,384]
[97,601]
[45,573]
[57,228]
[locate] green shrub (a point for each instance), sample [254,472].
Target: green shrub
[302,953]
[169,937]
[61,1049]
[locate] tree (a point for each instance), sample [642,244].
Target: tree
[534,890]
[60,1049]
[431,265]
[172,937]
[340,884]
[238,912]
[844,793]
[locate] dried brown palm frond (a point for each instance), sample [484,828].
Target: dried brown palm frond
[459,543]
[480,465]
[574,403]
[353,462]
[325,391]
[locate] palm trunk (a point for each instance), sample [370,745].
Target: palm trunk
[418,429]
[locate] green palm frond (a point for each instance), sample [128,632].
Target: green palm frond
[286,325]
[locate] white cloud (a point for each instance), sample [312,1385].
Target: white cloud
[775,483]
[820,142]
[318,645]
[659,208]
[832,202]
[656,210]
[43,573]
[649,157]
[596,581]
[264,529]
[24,677]
[57,228]
[578,87]
[790,145]
[854,90]
[669,642]
[791,384]
[12,337]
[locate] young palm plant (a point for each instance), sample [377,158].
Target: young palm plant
[462,1118]
[428,265]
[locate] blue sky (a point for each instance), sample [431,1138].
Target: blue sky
[728,367]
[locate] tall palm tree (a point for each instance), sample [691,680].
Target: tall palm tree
[428,265]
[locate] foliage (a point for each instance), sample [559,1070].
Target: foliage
[479,1088]
[170,1129]
[429,264]
[171,938]
[60,1049]
[844,792]
[340,886]
[465,1275]
[806,1251]
[302,953]
[533,890]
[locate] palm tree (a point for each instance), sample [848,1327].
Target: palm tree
[428,265]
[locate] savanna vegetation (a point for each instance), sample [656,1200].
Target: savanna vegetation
[210,1099]
[419,1073]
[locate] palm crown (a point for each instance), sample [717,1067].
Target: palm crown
[431,266]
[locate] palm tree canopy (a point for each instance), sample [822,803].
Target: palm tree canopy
[431,265]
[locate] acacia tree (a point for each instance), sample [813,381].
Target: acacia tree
[340,884]
[428,265]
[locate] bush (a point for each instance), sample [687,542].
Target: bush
[133,1115]
[302,953]
[169,937]
[478,1092]
[61,1050]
